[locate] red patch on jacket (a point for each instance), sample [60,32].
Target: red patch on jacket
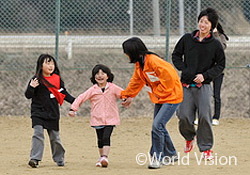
[55,81]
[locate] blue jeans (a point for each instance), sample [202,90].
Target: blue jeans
[161,142]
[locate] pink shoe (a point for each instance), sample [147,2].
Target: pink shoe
[189,146]
[207,155]
[104,162]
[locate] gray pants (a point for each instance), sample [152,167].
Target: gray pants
[197,99]
[38,144]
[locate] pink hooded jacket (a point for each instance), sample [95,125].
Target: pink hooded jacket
[104,110]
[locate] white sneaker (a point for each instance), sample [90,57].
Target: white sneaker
[169,160]
[155,164]
[98,163]
[215,122]
[196,121]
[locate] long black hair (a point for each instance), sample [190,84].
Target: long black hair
[221,31]
[39,68]
[105,69]
[135,49]
[211,15]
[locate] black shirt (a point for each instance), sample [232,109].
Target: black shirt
[44,107]
[193,57]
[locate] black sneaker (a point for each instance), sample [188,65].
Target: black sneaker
[60,163]
[33,163]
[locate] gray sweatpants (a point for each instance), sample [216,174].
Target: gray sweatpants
[197,99]
[38,144]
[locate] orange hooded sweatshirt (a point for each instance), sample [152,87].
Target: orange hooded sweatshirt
[160,77]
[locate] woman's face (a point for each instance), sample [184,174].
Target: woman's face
[204,25]
[101,78]
[48,67]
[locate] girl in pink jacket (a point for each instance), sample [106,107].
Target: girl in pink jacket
[103,97]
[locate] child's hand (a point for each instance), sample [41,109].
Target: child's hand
[127,102]
[34,83]
[72,113]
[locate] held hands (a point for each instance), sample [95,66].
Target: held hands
[34,83]
[72,113]
[126,102]
[199,78]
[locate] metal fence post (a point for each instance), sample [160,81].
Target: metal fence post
[130,12]
[181,17]
[198,9]
[168,13]
[156,18]
[57,27]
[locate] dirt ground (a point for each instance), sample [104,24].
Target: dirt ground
[132,137]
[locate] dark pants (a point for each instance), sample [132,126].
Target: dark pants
[197,99]
[103,136]
[217,100]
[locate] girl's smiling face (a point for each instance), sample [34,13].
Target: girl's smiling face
[101,78]
[48,67]
[204,25]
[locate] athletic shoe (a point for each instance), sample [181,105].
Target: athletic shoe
[169,160]
[98,163]
[60,163]
[215,122]
[104,162]
[189,146]
[196,121]
[207,155]
[155,164]
[33,163]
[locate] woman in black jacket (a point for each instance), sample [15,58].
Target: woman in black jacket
[201,58]
[46,89]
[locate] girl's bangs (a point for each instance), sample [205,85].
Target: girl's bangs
[48,59]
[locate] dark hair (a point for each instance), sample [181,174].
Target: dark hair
[105,69]
[211,15]
[221,31]
[134,48]
[39,68]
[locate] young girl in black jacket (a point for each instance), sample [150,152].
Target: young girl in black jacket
[200,57]
[46,89]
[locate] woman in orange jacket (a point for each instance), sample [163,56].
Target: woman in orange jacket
[165,90]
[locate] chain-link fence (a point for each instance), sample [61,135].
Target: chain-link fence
[81,34]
